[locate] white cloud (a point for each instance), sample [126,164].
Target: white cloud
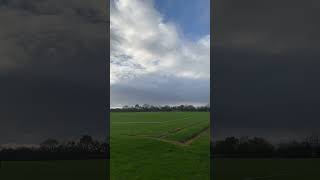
[144,45]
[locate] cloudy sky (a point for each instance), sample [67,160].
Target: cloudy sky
[159,52]
[52,69]
[266,65]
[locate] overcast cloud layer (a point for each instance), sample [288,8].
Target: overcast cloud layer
[151,60]
[52,73]
[266,66]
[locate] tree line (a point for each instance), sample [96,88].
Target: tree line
[165,108]
[85,148]
[260,147]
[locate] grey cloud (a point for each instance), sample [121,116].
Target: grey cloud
[263,90]
[266,66]
[267,25]
[52,69]
[152,61]
[157,89]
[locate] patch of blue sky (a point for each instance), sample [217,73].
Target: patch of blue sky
[191,16]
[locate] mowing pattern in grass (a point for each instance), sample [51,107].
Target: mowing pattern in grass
[160,145]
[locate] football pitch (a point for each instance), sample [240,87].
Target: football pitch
[160,145]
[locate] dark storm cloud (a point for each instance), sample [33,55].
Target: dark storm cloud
[52,69]
[266,65]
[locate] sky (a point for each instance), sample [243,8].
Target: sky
[160,52]
[266,61]
[52,73]
[192,17]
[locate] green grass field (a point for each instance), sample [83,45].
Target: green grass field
[266,169]
[54,170]
[160,146]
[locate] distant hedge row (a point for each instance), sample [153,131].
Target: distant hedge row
[166,108]
[51,149]
[259,147]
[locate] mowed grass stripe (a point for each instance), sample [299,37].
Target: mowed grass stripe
[141,122]
[146,116]
[171,123]
[150,122]
[173,127]
[163,136]
[173,131]
[189,132]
